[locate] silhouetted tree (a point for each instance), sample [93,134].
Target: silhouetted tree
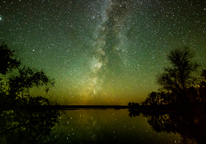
[146,102]
[202,88]
[203,82]
[133,105]
[136,104]
[156,98]
[181,75]
[15,91]
[8,61]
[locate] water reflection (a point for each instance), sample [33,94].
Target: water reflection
[100,126]
[191,126]
[27,126]
[108,126]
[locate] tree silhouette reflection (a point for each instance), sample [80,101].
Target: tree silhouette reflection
[133,113]
[27,126]
[191,126]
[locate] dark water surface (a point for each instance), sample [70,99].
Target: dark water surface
[108,126]
[88,126]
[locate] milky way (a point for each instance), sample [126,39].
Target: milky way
[102,52]
[107,46]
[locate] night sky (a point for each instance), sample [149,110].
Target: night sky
[102,51]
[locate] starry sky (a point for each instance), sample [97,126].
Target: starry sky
[102,51]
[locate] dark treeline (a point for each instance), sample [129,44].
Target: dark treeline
[183,83]
[132,104]
[20,120]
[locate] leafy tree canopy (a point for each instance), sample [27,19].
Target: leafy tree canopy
[16,89]
[180,75]
[180,82]
[8,61]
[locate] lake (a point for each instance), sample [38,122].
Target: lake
[108,126]
[88,126]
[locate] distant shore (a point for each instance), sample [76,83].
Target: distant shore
[70,107]
[131,109]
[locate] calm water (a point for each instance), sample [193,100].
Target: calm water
[108,126]
[100,126]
